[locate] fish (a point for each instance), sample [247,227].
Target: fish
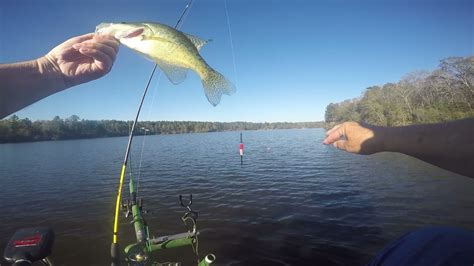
[174,52]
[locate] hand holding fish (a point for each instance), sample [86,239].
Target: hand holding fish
[82,58]
[75,61]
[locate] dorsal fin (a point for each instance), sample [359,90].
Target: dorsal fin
[198,42]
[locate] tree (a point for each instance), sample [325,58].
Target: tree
[420,97]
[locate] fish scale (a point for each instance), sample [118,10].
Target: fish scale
[173,51]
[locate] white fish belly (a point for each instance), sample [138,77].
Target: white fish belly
[165,51]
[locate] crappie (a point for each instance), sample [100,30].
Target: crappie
[173,51]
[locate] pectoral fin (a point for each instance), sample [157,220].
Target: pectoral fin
[174,73]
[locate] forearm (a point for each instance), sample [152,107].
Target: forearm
[447,145]
[22,84]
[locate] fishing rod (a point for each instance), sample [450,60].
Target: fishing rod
[138,253]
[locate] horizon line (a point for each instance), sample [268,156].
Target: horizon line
[204,121]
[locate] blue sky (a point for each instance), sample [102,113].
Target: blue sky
[292,57]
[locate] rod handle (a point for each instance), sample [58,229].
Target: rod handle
[115,254]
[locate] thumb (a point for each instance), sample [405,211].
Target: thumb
[102,60]
[341,144]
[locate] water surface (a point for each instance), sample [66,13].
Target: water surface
[294,201]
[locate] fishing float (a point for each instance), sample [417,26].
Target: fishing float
[241,150]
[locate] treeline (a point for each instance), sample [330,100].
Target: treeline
[15,129]
[447,93]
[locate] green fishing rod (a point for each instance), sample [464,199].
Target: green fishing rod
[144,244]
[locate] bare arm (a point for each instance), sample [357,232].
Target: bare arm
[447,145]
[77,60]
[25,83]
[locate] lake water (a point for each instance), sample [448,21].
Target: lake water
[294,201]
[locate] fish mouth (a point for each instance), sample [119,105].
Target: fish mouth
[121,30]
[99,28]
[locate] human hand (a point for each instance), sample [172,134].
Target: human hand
[81,59]
[356,138]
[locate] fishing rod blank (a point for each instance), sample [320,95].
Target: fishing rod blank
[138,221]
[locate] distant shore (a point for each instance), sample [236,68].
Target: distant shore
[14,129]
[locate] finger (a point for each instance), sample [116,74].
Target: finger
[108,50]
[341,144]
[332,129]
[103,61]
[70,54]
[103,44]
[334,135]
[112,43]
[107,40]
[104,36]
[81,38]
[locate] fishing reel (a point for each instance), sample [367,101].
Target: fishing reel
[127,204]
[139,253]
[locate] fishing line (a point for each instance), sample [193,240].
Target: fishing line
[140,164]
[114,247]
[131,164]
[141,158]
[184,15]
[178,25]
[231,42]
[155,90]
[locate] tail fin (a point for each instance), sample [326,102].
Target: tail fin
[215,85]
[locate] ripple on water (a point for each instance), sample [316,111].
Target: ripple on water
[293,202]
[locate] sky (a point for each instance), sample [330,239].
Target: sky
[292,57]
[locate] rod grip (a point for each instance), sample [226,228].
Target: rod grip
[115,254]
